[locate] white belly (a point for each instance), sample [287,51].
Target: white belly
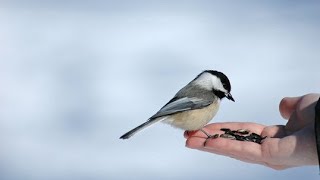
[194,119]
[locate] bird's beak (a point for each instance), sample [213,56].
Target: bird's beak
[229,96]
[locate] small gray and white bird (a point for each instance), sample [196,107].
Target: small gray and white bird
[194,105]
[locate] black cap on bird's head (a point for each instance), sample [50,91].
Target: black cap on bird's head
[215,81]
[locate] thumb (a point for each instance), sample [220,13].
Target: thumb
[288,105]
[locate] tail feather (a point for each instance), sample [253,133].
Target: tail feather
[139,128]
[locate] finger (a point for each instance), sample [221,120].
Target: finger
[251,153]
[288,105]
[187,134]
[304,113]
[195,142]
[241,150]
[198,143]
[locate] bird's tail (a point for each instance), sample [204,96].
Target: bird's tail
[140,127]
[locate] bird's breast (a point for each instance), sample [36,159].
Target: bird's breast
[194,119]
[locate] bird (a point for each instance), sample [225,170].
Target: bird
[194,105]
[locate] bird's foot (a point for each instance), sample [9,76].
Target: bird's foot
[209,136]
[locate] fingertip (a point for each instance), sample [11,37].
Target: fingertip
[186,134]
[287,105]
[195,142]
[283,108]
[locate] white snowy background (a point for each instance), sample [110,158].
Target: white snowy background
[75,75]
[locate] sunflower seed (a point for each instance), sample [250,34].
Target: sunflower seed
[225,129]
[255,135]
[215,136]
[227,136]
[243,131]
[240,138]
[240,135]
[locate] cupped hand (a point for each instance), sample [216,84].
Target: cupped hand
[286,146]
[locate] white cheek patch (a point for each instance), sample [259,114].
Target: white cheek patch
[205,80]
[218,85]
[209,82]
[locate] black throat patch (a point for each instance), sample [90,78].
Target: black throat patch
[218,93]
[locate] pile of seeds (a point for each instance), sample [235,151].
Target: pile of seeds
[240,135]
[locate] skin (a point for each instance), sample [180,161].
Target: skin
[286,146]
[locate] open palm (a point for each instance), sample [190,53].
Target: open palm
[285,146]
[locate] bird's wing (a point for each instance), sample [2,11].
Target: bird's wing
[181,104]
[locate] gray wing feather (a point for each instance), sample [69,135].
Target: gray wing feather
[181,105]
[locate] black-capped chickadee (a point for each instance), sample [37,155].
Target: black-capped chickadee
[194,105]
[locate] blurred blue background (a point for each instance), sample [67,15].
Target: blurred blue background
[75,75]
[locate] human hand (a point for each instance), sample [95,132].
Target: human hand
[285,146]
